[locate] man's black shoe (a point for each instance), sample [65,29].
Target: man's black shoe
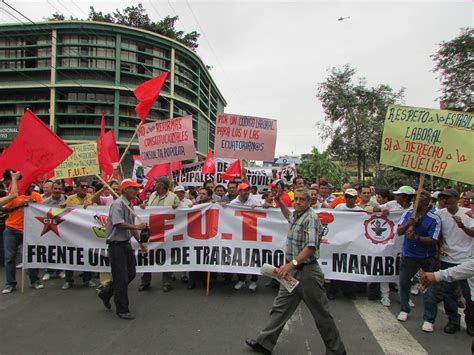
[191,285]
[470,329]
[105,300]
[256,347]
[167,288]
[145,287]
[126,316]
[451,328]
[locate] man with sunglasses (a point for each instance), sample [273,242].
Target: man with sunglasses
[81,198]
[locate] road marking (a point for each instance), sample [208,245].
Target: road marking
[297,317]
[392,337]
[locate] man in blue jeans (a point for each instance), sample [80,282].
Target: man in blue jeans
[13,238]
[419,252]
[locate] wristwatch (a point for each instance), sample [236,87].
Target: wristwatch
[294,262]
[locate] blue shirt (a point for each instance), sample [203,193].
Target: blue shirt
[428,225]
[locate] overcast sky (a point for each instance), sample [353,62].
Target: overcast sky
[269,56]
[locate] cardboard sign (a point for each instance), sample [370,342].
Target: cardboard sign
[83,162]
[245,137]
[433,142]
[167,141]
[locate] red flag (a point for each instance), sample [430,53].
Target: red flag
[233,171]
[176,165]
[107,150]
[209,167]
[147,93]
[35,151]
[156,171]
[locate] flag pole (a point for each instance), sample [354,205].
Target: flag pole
[117,196]
[22,279]
[208,284]
[128,146]
[418,194]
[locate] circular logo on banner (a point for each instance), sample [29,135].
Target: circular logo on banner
[288,174]
[379,229]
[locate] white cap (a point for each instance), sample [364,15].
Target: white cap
[178,188]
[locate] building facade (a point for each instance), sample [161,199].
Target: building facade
[70,72]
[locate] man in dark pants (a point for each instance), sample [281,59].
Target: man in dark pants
[120,229]
[419,252]
[302,252]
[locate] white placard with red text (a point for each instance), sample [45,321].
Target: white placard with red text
[166,141]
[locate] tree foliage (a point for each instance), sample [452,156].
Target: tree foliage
[454,64]
[136,16]
[354,118]
[323,165]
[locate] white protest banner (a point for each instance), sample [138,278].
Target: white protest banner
[245,137]
[83,162]
[209,237]
[190,174]
[166,141]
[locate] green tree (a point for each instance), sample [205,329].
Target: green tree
[454,64]
[322,165]
[354,118]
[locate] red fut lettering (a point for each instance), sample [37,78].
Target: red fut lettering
[158,226]
[249,223]
[195,224]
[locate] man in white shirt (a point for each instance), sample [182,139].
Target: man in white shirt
[458,231]
[245,199]
[350,196]
[348,287]
[183,201]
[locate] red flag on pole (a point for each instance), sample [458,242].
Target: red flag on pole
[35,151]
[147,93]
[233,172]
[156,171]
[107,153]
[209,166]
[176,165]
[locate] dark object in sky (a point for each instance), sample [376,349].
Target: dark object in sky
[343,18]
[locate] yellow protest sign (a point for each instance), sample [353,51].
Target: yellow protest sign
[82,162]
[428,141]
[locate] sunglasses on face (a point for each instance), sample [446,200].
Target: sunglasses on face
[84,186]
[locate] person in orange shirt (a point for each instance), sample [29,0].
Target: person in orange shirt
[341,199]
[13,238]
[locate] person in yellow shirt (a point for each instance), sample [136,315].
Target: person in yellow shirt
[13,237]
[81,198]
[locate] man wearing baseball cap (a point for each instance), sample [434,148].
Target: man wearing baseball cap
[120,229]
[458,231]
[422,233]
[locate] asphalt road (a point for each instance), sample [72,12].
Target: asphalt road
[54,321]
